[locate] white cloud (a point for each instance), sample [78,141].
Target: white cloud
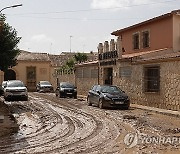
[39,43]
[103,4]
[41,38]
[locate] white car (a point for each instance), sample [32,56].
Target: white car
[3,84]
[44,86]
[15,89]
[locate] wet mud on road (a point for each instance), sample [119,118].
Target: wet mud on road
[63,125]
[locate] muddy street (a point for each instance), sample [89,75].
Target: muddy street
[64,125]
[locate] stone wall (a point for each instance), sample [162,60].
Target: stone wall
[133,85]
[67,78]
[86,77]
[84,85]
[169,95]
[170,74]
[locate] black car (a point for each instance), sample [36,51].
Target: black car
[108,96]
[65,89]
[44,86]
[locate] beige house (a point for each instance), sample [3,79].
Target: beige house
[34,67]
[31,68]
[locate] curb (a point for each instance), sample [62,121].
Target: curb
[157,110]
[153,109]
[81,97]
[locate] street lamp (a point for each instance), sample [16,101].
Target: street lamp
[8,7]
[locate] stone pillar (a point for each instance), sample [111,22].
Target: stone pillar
[106,46]
[112,45]
[100,48]
[119,46]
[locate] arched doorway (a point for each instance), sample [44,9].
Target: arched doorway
[9,75]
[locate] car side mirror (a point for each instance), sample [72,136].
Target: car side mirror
[75,87]
[98,92]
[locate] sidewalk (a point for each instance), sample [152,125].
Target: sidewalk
[8,123]
[153,109]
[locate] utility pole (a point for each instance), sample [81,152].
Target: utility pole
[70,42]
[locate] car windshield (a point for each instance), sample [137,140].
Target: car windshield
[110,89]
[45,83]
[15,84]
[66,85]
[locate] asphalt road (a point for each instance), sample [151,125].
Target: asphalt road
[64,125]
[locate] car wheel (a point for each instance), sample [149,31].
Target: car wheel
[6,99]
[75,96]
[101,104]
[56,93]
[126,107]
[89,102]
[60,95]
[26,99]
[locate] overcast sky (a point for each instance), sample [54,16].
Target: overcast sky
[47,25]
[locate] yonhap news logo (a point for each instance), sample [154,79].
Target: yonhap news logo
[133,139]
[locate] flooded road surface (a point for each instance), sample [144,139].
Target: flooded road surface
[63,125]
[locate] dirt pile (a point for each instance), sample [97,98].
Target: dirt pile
[8,124]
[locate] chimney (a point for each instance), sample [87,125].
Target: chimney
[100,48]
[119,46]
[112,45]
[106,46]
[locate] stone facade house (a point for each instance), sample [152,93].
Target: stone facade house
[144,62]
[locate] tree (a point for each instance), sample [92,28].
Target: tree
[80,57]
[8,45]
[70,63]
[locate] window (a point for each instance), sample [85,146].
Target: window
[145,39]
[136,41]
[86,73]
[79,73]
[125,72]
[152,79]
[94,73]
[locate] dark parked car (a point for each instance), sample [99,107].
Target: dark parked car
[108,96]
[44,86]
[15,89]
[66,89]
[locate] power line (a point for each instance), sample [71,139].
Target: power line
[88,19]
[88,10]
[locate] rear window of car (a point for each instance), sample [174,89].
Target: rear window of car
[66,85]
[45,83]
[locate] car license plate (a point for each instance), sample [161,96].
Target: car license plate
[119,102]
